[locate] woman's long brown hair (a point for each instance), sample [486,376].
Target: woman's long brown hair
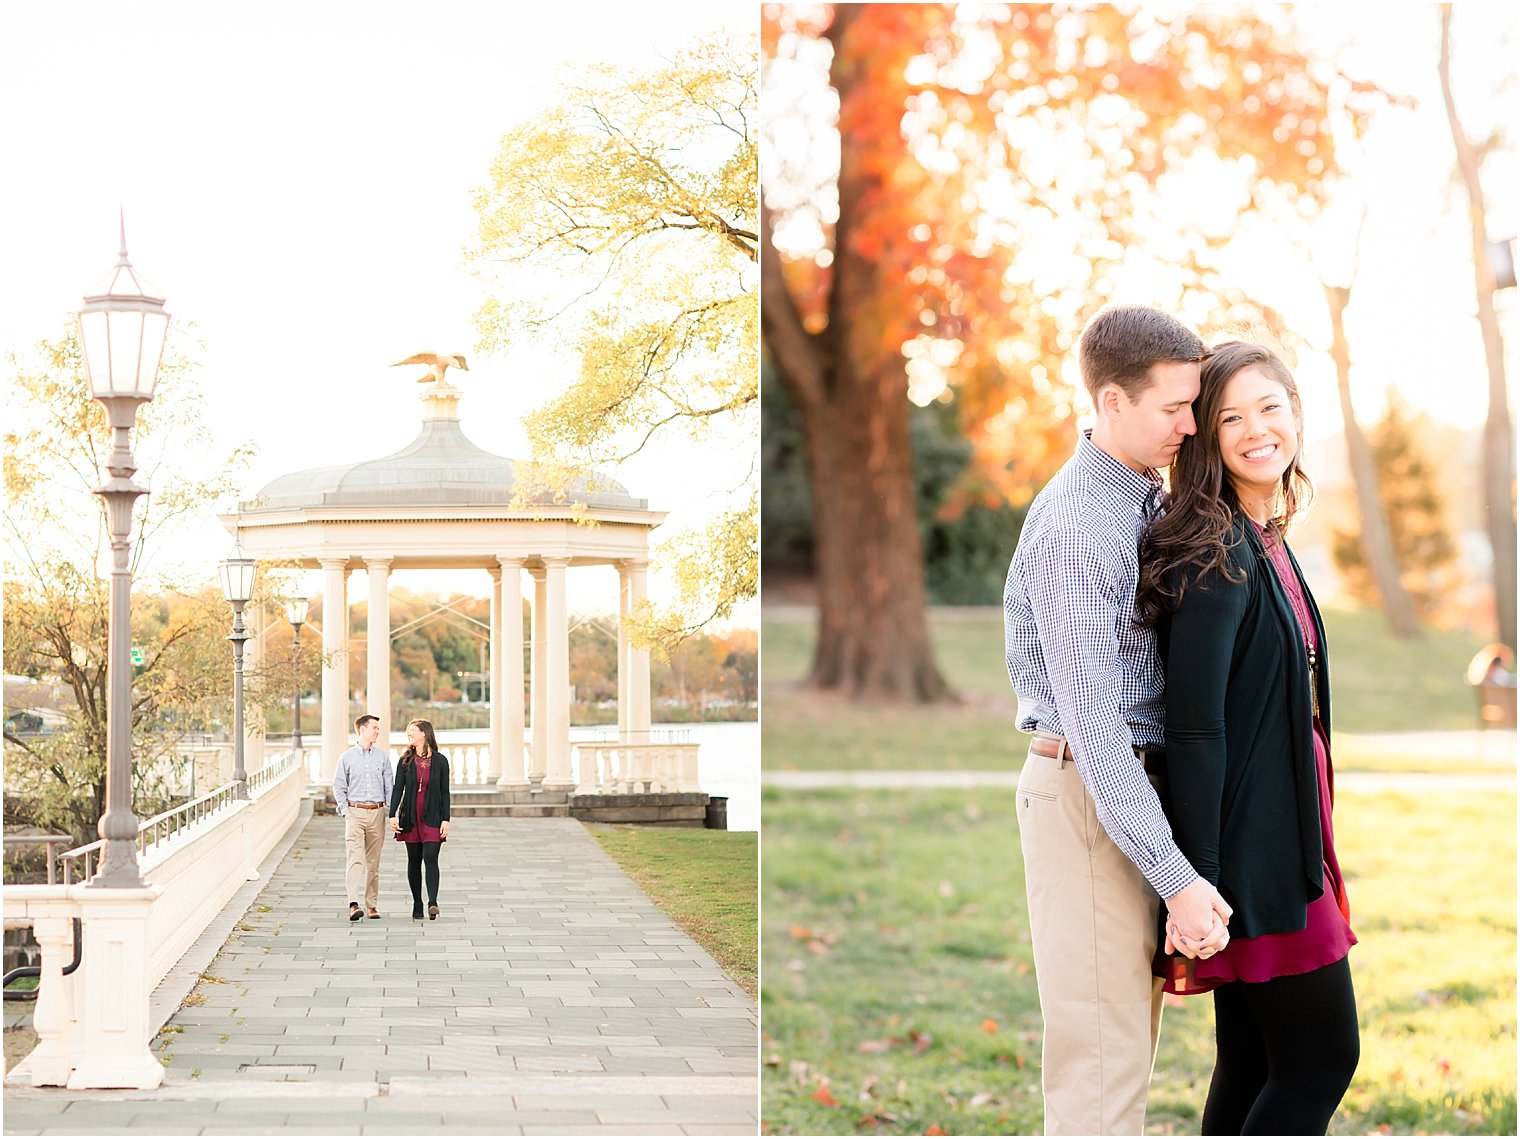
[426,728]
[1191,537]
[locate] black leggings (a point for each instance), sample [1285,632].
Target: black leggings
[418,855]
[1287,1051]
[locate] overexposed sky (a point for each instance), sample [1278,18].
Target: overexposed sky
[296,180]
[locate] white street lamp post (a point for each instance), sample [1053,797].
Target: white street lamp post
[237,588]
[122,325]
[295,613]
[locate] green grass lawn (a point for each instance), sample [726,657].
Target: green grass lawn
[705,880]
[1381,685]
[899,994]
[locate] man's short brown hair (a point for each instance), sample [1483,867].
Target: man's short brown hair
[1120,344]
[364,719]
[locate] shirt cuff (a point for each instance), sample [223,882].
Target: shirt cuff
[1171,875]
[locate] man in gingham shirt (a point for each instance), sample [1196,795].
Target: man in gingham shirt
[1098,852]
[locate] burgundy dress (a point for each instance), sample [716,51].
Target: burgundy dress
[1327,936]
[420,831]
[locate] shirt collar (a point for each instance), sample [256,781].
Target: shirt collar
[1136,490]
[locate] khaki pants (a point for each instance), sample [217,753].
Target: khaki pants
[362,839]
[1092,919]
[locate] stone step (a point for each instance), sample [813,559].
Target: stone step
[459,810]
[488,794]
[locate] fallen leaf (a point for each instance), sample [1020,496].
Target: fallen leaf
[921,1040]
[877,1045]
[1444,1067]
[936,1129]
[868,1121]
[1021,968]
[1019,1060]
[801,933]
[982,1099]
[825,1097]
[990,1026]
[773,1061]
[817,948]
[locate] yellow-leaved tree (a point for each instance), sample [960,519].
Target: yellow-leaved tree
[622,221]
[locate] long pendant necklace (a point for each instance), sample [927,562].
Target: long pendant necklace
[1304,619]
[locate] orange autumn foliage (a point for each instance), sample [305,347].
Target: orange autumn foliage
[1000,166]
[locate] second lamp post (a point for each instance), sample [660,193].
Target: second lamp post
[237,588]
[295,613]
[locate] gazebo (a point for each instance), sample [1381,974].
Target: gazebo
[444,503]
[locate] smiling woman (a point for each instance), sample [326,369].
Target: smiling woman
[1246,778]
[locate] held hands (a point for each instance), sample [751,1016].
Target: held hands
[1196,921]
[443,828]
[395,824]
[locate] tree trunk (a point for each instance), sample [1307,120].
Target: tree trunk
[1377,538]
[849,386]
[1498,433]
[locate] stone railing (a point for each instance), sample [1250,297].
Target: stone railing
[92,1026]
[611,768]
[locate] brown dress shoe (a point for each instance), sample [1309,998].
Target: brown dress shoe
[354,912]
[374,913]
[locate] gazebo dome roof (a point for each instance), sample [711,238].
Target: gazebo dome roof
[441,467]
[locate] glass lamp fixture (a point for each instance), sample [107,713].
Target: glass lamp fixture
[122,325]
[237,577]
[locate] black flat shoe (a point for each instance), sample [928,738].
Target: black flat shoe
[416,913]
[433,912]
[354,912]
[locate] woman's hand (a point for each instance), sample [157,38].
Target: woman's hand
[395,824]
[443,828]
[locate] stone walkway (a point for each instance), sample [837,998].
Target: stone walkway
[550,997]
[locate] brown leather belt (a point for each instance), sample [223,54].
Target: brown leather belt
[368,806]
[1057,747]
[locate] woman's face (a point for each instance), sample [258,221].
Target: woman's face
[415,737]
[1258,432]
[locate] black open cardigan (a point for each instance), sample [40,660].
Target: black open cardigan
[435,808]
[1242,790]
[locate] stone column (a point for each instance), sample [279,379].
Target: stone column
[622,651]
[638,661]
[559,777]
[334,665]
[111,1008]
[507,674]
[377,681]
[539,764]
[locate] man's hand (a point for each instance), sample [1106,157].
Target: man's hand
[395,824]
[1196,920]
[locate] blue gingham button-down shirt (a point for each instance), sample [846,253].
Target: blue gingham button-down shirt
[1081,666]
[363,776]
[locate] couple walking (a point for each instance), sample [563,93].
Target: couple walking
[368,795]
[1170,662]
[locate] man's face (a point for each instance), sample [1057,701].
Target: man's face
[369,733]
[1147,430]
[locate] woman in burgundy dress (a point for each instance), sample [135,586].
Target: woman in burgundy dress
[1248,785]
[422,776]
